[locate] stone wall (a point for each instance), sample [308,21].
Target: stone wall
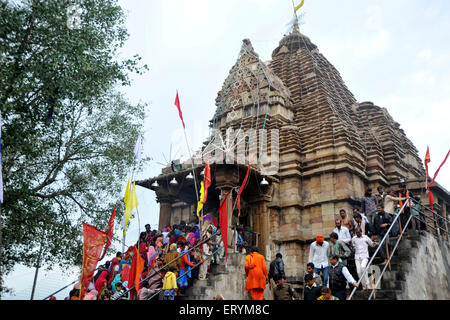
[427,277]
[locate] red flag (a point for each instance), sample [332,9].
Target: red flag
[238,201]
[430,198]
[224,224]
[177,103]
[207,180]
[93,243]
[435,175]
[430,195]
[110,232]
[132,275]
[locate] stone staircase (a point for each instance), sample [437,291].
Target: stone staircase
[393,282]
[228,280]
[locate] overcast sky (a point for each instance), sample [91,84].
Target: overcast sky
[393,53]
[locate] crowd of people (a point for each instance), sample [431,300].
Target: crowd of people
[171,260]
[327,274]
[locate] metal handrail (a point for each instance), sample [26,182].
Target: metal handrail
[186,272]
[436,221]
[166,265]
[390,257]
[433,211]
[394,249]
[378,249]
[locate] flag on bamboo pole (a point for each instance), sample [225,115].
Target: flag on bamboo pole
[133,268]
[127,192]
[437,171]
[299,6]
[140,262]
[93,242]
[177,103]
[224,224]
[131,202]
[110,232]
[207,180]
[430,195]
[202,196]
[238,201]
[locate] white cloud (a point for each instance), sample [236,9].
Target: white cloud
[374,19]
[424,55]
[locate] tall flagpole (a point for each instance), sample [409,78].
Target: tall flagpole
[177,104]
[193,173]
[192,162]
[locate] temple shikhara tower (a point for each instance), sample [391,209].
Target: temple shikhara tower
[302,130]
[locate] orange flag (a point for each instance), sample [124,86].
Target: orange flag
[207,180]
[139,267]
[93,243]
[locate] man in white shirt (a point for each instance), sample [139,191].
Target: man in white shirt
[361,243]
[319,252]
[342,232]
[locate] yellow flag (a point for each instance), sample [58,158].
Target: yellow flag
[299,6]
[200,202]
[131,203]
[127,192]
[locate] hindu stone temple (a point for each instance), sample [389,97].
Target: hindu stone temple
[316,147]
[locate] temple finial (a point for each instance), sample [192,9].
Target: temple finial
[295,25]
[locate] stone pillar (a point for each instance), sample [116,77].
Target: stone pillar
[261,225]
[165,212]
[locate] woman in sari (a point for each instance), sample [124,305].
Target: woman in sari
[185,266]
[114,269]
[117,279]
[152,254]
[191,238]
[101,281]
[171,255]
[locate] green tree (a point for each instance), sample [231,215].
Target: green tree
[68,134]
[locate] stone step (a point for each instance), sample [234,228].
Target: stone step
[219,269]
[379,295]
[191,297]
[204,283]
[392,285]
[195,290]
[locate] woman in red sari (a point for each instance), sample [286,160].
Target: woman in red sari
[101,281]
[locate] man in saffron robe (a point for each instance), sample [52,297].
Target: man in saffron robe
[257,275]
